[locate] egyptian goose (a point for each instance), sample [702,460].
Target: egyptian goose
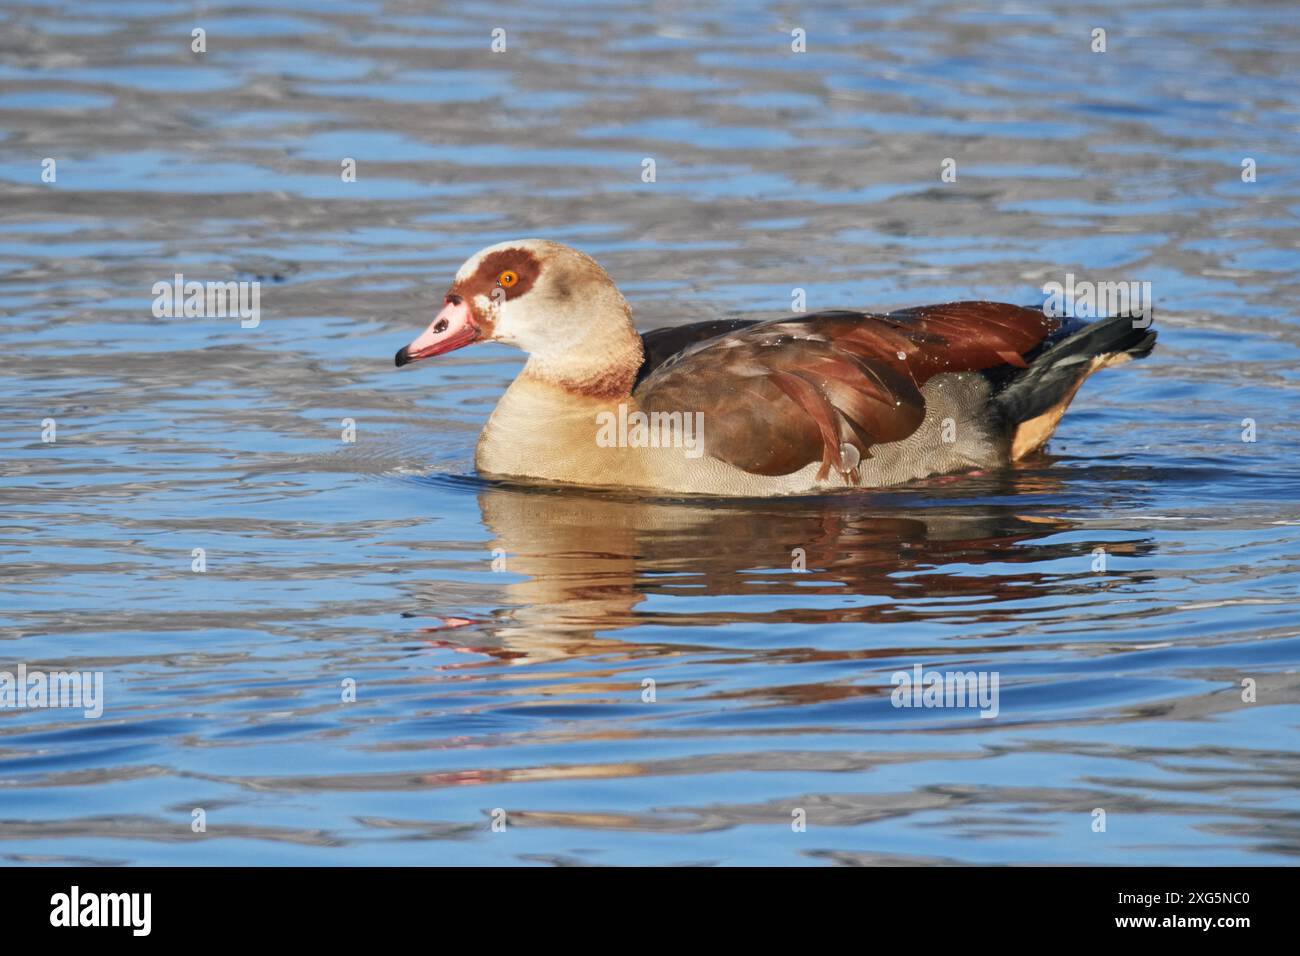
[803,404]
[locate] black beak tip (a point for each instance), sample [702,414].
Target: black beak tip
[403,357]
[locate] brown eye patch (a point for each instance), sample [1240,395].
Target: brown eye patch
[513,270]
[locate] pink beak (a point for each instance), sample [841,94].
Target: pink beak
[453,328]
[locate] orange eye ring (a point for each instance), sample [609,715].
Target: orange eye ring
[507,279]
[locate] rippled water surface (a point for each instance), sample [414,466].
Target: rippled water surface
[499,638]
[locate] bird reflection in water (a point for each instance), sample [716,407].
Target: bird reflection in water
[583,565]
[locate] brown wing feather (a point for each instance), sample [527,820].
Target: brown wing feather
[660,345]
[778,395]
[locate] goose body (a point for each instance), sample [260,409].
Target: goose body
[804,404]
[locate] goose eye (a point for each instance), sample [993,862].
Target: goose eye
[507,279]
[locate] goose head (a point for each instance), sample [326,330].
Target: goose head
[547,299]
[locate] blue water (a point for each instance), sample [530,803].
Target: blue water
[499,637]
